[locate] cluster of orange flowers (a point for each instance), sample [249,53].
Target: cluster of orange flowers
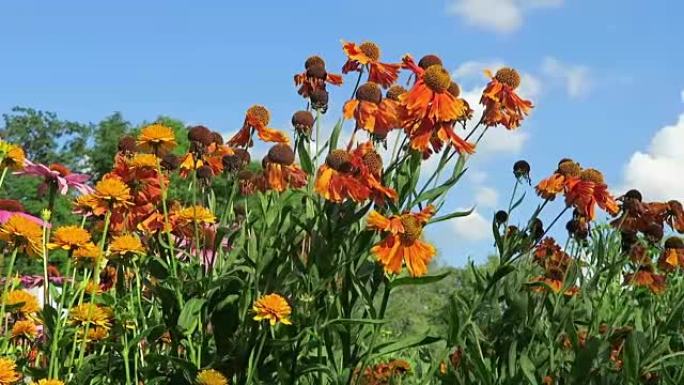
[384,373]
[556,264]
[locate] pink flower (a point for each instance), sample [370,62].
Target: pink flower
[9,207]
[58,174]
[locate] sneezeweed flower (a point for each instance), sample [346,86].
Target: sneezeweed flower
[502,104]
[257,119]
[672,256]
[273,308]
[337,179]
[170,162]
[431,112]
[391,113]
[371,173]
[319,100]
[156,138]
[22,233]
[12,156]
[24,329]
[281,173]
[125,246]
[111,193]
[557,183]
[365,108]
[384,373]
[303,122]
[315,77]
[402,244]
[69,238]
[127,145]
[25,302]
[367,55]
[645,276]
[8,371]
[236,161]
[57,175]
[588,191]
[10,207]
[521,170]
[48,382]
[211,377]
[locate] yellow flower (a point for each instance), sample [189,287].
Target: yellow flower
[69,238]
[126,244]
[92,288]
[11,156]
[143,161]
[274,308]
[48,382]
[88,255]
[157,138]
[23,234]
[196,214]
[91,314]
[211,377]
[8,372]
[24,329]
[111,193]
[95,333]
[29,303]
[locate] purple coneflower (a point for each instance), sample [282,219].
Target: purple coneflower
[58,175]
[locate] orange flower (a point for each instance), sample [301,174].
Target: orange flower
[337,179]
[185,219]
[391,113]
[672,255]
[257,119]
[11,156]
[24,329]
[365,108]
[372,171]
[589,190]
[125,245]
[402,243]
[23,234]
[85,204]
[157,138]
[280,171]
[211,377]
[646,277]
[274,308]
[557,183]
[314,77]
[502,104]
[69,238]
[27,303]
[111,193]
[8,372]
[367,54]
[431,111]
[149,161]
[88,255]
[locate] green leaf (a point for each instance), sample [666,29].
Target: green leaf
[187,321]
[355,321]
[455,214]
[335,135]
[304,157]
[424,280]
[527,368]
[631,359]
[407,343]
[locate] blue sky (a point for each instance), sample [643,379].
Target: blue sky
[606,76]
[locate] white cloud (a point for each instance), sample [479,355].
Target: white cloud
[486,196]
[576,79]
[657,171]
[503,16]
[473,227]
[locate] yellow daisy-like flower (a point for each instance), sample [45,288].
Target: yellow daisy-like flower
[85,204]
[274,308]
[91,314]
[125,245]
[11,156]
[157,138]
[45,381]
[24,329]
[88,255]
[8,372]
[92,288]
[22,233]
[69,238]
[211,377]
[95,333]
[29,303]
[111,193]
[197,214]
[143,161]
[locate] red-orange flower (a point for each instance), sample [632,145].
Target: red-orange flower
[280,171]
[315,76]
[337,179]
[645,276]
[502,104]
[365,108]
[672,256]
[367,54]
[431,111]
[372,171]
[557,182]
[391,113]
[257,119]
[402,243]
[589,190]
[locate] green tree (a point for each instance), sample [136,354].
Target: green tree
[106,137]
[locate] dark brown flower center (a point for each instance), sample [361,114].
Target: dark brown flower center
[674,243]
[281,154]
[437,78]
[127,144]
[569,168]
[373,161]
[339,160]
[314,60]
[508,76]
[170,162]
[369,92]
[412,228]
[60,168]
[260,113]
[319,99]
[394,92]
[371,50]
[428,61]
[200,134]
[317,71]
[454,89]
